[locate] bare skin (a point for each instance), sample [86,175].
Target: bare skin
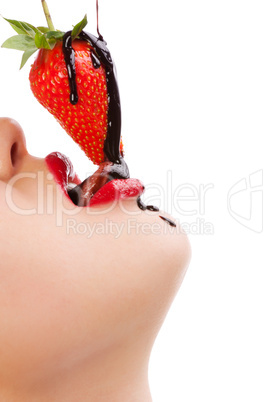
[79,313]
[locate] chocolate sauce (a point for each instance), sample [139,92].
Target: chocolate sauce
[97,12]
[169,221]
[81,197]
[143,207]
[69,57]
[100,55]
[112,141]
[81,194]
[95,61]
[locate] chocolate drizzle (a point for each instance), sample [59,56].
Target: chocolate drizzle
[169,221]
[112,141]
[69,57]
[143,207]
[97,13]
[100,55]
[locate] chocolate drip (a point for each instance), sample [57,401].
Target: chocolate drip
[112,141]
[152,208]
[169,221]
[100,55]
[95,61]
[69,57]
[143,207]
[97,12]
[119,170]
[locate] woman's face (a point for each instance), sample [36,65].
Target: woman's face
[75,280]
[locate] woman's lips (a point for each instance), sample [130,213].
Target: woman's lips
[97,189]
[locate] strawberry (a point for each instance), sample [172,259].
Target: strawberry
[85,122]
[85,118]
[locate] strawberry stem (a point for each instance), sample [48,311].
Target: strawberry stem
[48,16]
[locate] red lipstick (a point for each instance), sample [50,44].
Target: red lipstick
[62,169]
[117,189]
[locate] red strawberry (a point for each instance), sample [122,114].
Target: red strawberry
[87,121]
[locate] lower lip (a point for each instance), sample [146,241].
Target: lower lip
[62,169]
[119,189]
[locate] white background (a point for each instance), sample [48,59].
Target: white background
[193,78]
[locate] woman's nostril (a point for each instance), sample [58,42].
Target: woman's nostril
[13,153]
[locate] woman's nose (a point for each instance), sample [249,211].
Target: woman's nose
[12,147]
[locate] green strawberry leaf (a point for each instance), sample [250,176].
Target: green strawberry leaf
[29,38]
[19,42]
[22,27]
[78,28]
[29,29]
[55,35]
[43,29]
[41,41]
[26,56]
[15,25]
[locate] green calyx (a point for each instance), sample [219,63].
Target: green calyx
[29,38]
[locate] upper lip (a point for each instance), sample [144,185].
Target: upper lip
[62,169]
